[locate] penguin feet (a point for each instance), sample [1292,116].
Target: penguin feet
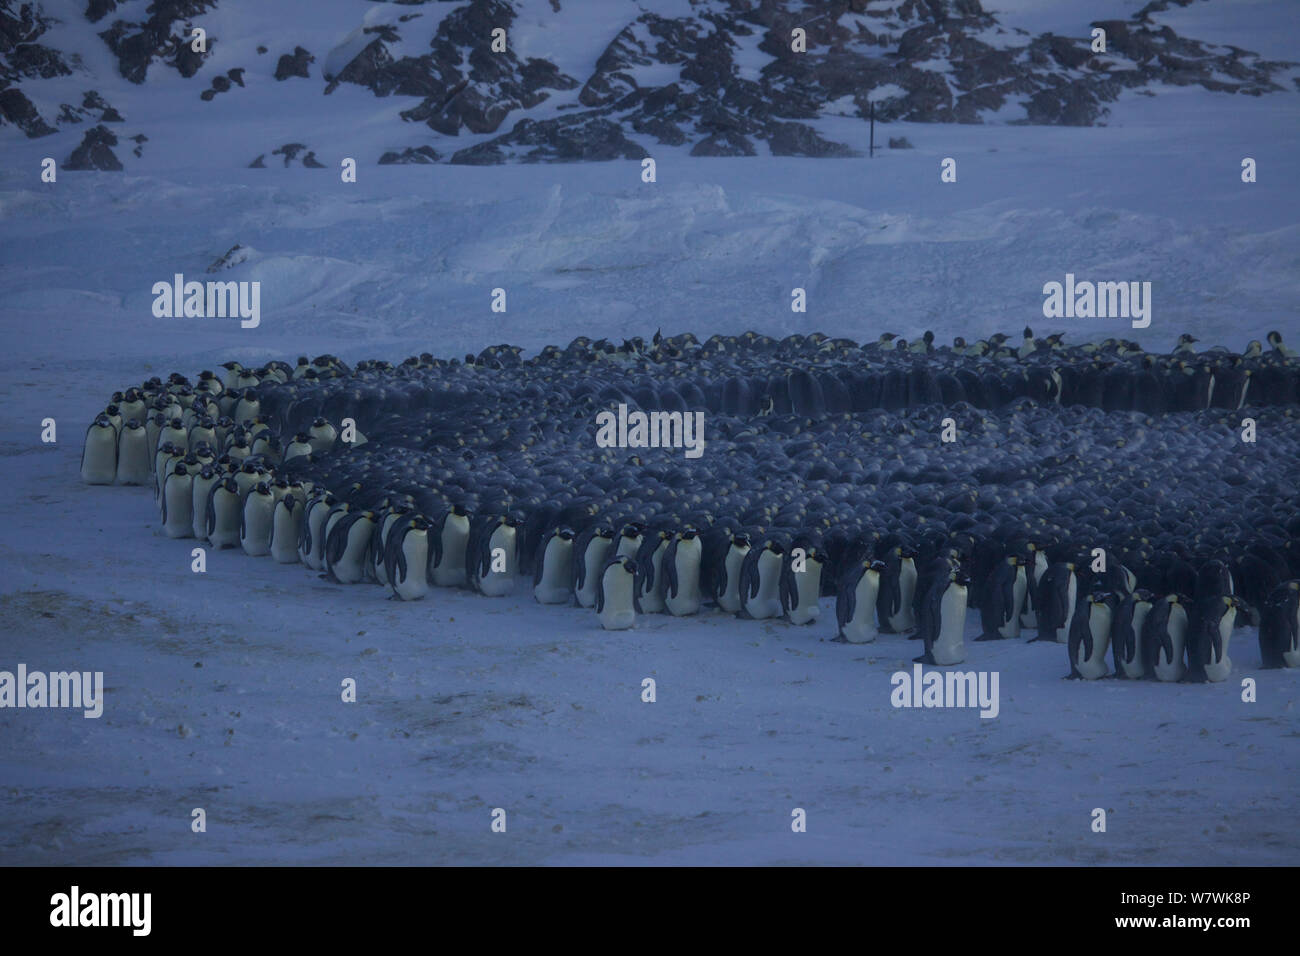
[994,637]
[926,658]
[839,639]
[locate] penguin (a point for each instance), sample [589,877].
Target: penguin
[680,574]
[1279,627]
[492,556]
[898,591]
[134,458]
[257,521]
[286,529]
[760,581]
[1207,641]
[1059,594]
[649,567]
[943,621]
[800,590]
[1126,634]
[1164,637]
[616,586]
[202,486]
[449,538]
[224,515]
[1090,636]
[591,552]
[629,541]
[300,446]
[321,436]
[377,564]
[1004,600]
[406,560]
[99,454]
[726,575]
[553,568]
[178,503]
[166,456]
[855,602]
[347,546]
[311,546]
[1035,568]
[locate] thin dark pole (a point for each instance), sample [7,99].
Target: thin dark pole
[873,130]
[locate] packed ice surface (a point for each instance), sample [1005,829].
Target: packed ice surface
[223,689]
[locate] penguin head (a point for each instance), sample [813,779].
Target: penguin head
[875,565]
[420,523]
[688,533]
[740,540]
[626,563]
[564,534]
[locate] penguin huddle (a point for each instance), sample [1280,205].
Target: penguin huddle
[1099,495]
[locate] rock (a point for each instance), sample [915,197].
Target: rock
[899,142]
[567,139]
[294,64]
[796,139]
[137,45]
[18,109]
[258,163]
[236,75]
[418,155]
[95,152]
[311,162]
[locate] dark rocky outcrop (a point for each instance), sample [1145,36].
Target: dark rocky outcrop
[95,152]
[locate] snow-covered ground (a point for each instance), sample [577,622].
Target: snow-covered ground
[223,689]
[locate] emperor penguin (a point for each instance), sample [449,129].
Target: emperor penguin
[134,456]
[449,539]
[311,546]
[591,552]
[1059,595]
[616,587]
[224,515]
[726,575]
[1090,636]
[321,435]
[1004,600]
[286,529]
[347,544]
[855,601]
[407,559]
[680,574]
[301,445]
[178,503]
[258,521]
[649,568]
[1207,642]
[389,515]
[492,557]
[166,456]
[1279,627]
[801,581]
[943,621]
[1035,568]
[1126,634]
[99,454]
[176,433]
[629,541]
[898,591]
[1164,638]
[553,568]
[204,481]
[760,581]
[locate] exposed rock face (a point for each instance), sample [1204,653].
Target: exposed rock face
[714,77]
[95,151]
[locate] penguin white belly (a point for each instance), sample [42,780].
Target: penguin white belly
[557,573]
[286,527]
[498,582]
[1071,596]
[1093,666]
[134,460]
[729,597]
[1218,669]
[225,520]
[618,614]
[1167,669]
[809,583]
[99,458]
[649,599]
[768,601]
[861,628]
[450,572]
[688,599]
[1018,591]
[948,647]
[350,567]
[259,517]
[178,500]
[592,560]
[904,619]
[415,583]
